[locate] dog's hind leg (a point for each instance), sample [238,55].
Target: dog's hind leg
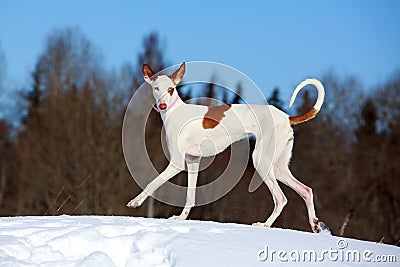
[284,175]
[269,179]
[193,169]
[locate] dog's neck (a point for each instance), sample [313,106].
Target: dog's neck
[165,114]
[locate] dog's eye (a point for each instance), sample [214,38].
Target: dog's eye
[171,90]
[156,88]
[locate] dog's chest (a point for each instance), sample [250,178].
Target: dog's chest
[205,145]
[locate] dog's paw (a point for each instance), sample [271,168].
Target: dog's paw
[319,227]
[136,202]
[315,225]
[178,217]
[261,224]
[133,204]
[324,229]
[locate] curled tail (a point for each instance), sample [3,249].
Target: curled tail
[310,114]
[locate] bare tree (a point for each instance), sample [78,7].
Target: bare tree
[72,132]
[73,60]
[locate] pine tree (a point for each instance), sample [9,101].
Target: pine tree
[366,144]
[209,93]
[238,95]
[275,99]
[368,122]
[33,96]
[152,53]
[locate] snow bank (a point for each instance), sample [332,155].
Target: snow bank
[127,241]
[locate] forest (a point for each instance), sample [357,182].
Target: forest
[61,149]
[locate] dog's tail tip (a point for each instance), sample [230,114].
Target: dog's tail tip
[309,81]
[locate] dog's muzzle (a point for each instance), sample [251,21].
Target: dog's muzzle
[164,106]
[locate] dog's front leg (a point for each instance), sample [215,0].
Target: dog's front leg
[167,174]
[193,170]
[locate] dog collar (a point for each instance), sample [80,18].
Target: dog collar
[168,106]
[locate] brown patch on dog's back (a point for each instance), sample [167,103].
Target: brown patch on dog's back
[214,115]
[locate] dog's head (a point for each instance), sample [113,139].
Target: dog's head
[163,87]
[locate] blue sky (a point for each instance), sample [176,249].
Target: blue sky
[275,43]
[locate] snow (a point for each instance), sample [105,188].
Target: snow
[129,241]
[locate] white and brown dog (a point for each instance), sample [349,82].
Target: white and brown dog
[187,126]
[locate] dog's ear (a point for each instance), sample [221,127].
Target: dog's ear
[177,76]
[148,74]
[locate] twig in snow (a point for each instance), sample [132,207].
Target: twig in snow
[345,222]
[70,195]
[54,201]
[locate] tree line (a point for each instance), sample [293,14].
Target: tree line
[65,157]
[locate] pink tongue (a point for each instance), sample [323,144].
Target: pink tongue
[163,106]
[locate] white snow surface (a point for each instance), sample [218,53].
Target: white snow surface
[130,241]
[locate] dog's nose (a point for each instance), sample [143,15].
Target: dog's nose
[163,106]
